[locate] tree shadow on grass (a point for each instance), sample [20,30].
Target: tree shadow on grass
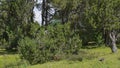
[8,52]
[90,47]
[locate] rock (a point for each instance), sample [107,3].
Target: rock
[101,59]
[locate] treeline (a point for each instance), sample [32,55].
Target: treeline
[66,27]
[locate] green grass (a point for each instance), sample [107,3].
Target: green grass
[7,59]
[10,60]
[110,60]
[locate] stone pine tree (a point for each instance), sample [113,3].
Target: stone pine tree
[100,15]
[66,9]
[112,22]
[104,15]
[18,14]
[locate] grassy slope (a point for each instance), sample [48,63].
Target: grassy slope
[7,59]
[111,60]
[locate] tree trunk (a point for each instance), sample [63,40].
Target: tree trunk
[46,12]
[112,42]
[113,47]
[43,12]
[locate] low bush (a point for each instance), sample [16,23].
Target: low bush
[28,49]
[50,43]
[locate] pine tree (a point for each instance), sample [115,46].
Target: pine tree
[103,15]
[18,14]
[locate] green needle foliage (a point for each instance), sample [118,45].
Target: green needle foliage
[50,43]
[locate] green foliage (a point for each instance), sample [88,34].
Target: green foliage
[15,17]
[99,39]
[90,19]
[29,50]
[3,43]
[50,43]
[33,30]
[103,14]
[100,16]
[92,37]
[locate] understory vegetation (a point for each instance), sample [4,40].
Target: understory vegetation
[70,34]
[86,58]
[50,43]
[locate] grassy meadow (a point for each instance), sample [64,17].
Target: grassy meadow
[91,58]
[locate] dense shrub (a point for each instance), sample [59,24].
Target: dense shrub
[3,43]
[29,50]
[50,43]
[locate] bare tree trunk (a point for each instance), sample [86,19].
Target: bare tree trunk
[113,47]
[46,12]
[112,42]
[43,12]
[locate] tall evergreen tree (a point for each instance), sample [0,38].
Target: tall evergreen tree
[103,15]
[18,14]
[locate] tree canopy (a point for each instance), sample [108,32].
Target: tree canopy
[67,25]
